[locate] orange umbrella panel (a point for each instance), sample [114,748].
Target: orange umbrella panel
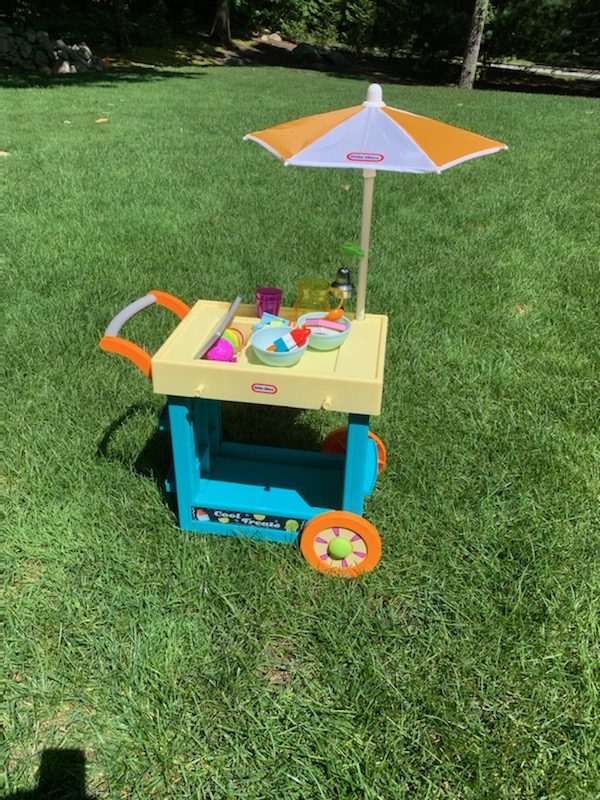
[290,138]
[444,144]
[373,137]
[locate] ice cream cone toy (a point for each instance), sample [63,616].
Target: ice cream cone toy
[295,338]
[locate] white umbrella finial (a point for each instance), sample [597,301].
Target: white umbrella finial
[374,96]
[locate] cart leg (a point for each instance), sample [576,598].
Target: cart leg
[356,460]
[196,434]
[186,464]
[207,431]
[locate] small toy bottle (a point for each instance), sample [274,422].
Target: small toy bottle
[343,282]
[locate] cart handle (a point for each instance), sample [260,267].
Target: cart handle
[111,342]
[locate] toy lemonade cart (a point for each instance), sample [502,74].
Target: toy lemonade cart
[275,494]
[281,494]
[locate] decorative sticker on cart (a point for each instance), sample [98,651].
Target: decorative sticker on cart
[288,524]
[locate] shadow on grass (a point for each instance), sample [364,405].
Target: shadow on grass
[185,52]
[153,461]
[142,65]
[61,777]
[190,57]
[270,426]
[243,423]
[496,79]
[133,74]
[412,70]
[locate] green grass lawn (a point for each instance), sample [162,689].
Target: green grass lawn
[467,665]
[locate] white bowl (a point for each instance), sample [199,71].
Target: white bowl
[326,341]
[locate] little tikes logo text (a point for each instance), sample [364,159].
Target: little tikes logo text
[264,388]
[370,158]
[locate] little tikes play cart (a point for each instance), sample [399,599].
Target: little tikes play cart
[281,494]
[268,493]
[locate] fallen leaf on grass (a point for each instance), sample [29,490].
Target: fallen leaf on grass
[4,153]
[102,119]
[523,309]
[280,672]
[345,187]
[67,122]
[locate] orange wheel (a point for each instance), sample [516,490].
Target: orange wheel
[335,442]
[341,544]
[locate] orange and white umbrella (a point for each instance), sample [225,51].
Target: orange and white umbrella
[371,137]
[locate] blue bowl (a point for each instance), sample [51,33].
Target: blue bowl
[325,341]
[263,338]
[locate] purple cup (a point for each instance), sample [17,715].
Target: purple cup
[268,300]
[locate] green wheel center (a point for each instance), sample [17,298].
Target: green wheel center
[339,548]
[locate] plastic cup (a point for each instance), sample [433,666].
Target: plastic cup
[268,300]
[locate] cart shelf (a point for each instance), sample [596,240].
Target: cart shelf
[270,481]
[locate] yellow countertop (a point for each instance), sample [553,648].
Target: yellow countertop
[349,379]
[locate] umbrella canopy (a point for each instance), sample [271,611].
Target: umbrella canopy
[372,137]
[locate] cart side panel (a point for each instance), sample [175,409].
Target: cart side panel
[277,387]
[229,529]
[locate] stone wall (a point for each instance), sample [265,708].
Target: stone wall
[35,51]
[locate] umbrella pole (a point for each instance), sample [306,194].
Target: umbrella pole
[365,232]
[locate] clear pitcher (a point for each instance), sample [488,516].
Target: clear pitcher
[315,294]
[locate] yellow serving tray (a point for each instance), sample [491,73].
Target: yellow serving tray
[349,379]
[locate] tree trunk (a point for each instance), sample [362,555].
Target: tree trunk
[469,65]
[121,35]
[221,27]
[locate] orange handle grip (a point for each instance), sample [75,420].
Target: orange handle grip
[111,342]
[129,350]
[174,304]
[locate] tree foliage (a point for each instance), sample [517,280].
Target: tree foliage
[552,31]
